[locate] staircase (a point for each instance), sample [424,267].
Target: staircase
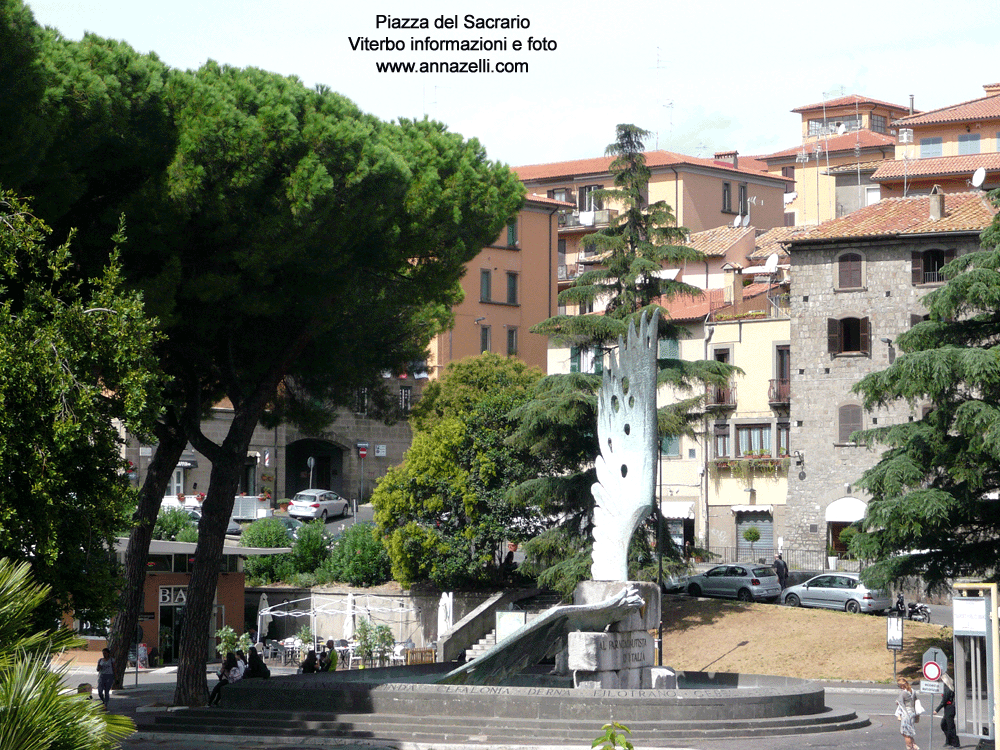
[532,607]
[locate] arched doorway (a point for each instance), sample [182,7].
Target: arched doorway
[840,514]
[327,471]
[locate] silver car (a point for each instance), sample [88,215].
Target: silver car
[312,504]
[744,582]
[836,591]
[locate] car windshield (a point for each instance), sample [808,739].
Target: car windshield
[304,498]
[764,572]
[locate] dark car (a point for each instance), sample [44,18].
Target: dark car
[738,581]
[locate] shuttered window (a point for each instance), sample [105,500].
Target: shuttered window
[849,271]
[849,421]
[848,335]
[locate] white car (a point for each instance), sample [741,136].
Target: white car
[322,504]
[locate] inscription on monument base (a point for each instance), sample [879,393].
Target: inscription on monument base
[610,652]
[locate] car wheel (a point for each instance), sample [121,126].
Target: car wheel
[344,511]
[694,590]
[853,607]
[322,516]
[792,601]
[744,595]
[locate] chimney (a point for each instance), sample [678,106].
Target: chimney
[992,89]
[937,203]
[911,104]
[735,291]
[730,157]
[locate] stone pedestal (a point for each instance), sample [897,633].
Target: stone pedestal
[622,657]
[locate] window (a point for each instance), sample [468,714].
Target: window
[850,271]
[849,421]
[512,341]
[587,306]
[588,201]
[485,284]
[848,335]
[484,339]
[783,439]
[511,288]
[873,194]
[727,198]
[753,440]
[585,359]
[925,267]
[789,174]
[405,398]
[789,218]
[561,194]
[744,207]
[878,124]
[968,143]
[721,441]
[176,485]
[670,446]
[931,147]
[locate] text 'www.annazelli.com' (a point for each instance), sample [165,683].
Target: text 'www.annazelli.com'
[482,65]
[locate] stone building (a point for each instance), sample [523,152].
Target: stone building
[858,283]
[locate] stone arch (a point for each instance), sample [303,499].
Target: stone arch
[327,473]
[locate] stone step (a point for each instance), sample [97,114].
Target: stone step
[394,727]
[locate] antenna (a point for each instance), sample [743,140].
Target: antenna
[906,135]
[978,177]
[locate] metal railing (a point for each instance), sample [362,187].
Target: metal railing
[779,391]
[720,396]
[796,559]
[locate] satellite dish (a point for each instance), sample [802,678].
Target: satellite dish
[771,264]
[978,177]
[746,220]
[841,129]
[737,220]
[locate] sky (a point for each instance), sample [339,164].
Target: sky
[700,77]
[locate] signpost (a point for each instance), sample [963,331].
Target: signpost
[935,664]
[894,638]
[362,452]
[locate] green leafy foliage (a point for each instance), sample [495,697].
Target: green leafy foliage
[933,511]
[311,547]
[358,557]
[265,532]
[73,358]
[171,522]
[374,642]
[230,642]
[446,511]
[36,710]
[614,737]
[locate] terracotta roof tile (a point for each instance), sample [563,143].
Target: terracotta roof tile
[776,241]
[693,307]
[936,165]
[848,100]
[714,243]
[838,143]
[963,212]
[866,166]
[984,108]
[545,200]
[600,165]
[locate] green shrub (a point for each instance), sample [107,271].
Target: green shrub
[230,642]
[266,532]
[170,522]
[190,534]
[310,548]
[358,557]
[374,642]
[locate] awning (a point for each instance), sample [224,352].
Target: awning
[677,509]
[750,508]
[845,510]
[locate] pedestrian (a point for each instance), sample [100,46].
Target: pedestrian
[906,712]
[947,705]
[105,676]
[328,659]
[781,568]
[229,672]
[241,662]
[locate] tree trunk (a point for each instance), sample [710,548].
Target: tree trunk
[227,462]
[123,628]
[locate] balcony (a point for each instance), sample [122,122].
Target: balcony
[571,219]
[779,392]
[720,397]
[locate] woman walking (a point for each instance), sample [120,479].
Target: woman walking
[105,676]
[947,705]
[906,711]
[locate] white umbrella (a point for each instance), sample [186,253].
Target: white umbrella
[263,618]
[349,619]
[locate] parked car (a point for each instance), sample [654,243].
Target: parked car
[292,524]
[744,582]
[234,529]
[312,504]
[836,591]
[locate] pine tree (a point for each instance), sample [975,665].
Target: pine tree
[934,510]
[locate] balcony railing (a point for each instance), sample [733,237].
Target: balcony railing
[721,397]
[598,218]
[779,391]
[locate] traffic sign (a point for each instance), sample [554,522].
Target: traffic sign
[940,660]
[362,450]
[932,671]
[927,686]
